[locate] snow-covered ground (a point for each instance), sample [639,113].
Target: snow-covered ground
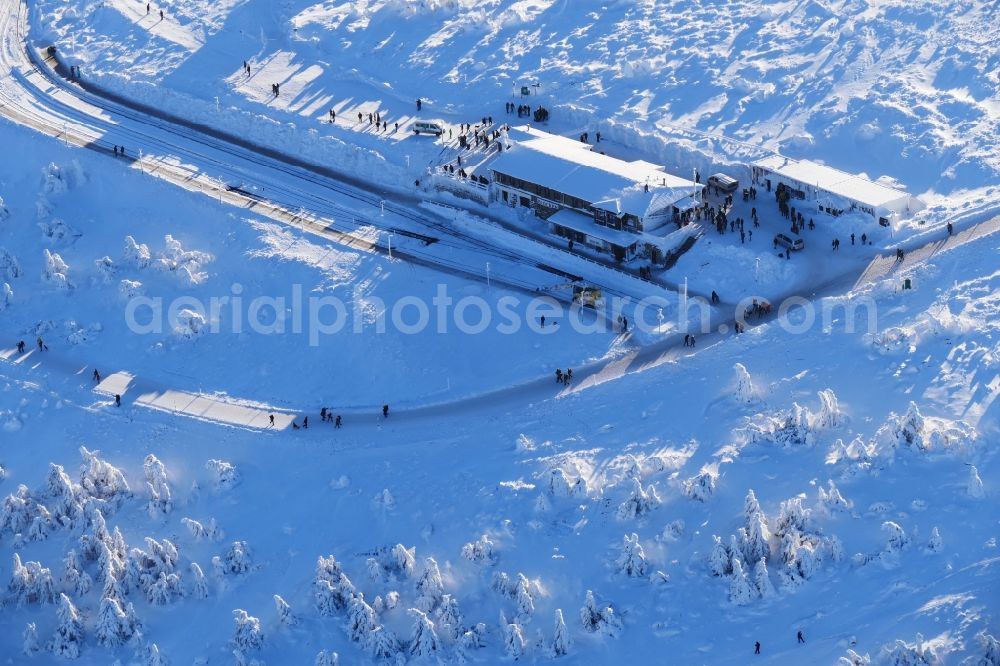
[853,452]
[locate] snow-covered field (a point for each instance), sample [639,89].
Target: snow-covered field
[834,476]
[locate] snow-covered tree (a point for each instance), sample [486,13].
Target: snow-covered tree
[64,504]
[639,502]
[792,517]
[31,583]
[744,385]
[199,586]
[423,639]
[757,534]
[324,658]
[157,488]
[700,487]
[599,620]
[479,551]
[934,544]
[284,612]
[741,591]
[896,538]
[248,634]
[68,638]
[449,617]
[632,560]
[912,427]
[524,598]
[29,640]
[332,589]
[513,637]
[136,254]
[430,587]
[831,500]
[225,475]
[153,656]
[6,296]
[991,651]
[237,560]
[111,629]
[761,579]
[975,485]
[404,560]
[904,654]
[55,271]
[361,619]
[102,480]
[720,559]
[559,485]
[829,415]
[560,636]
[165,589]
[383,644]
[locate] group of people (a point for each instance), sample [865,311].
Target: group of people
[749,193]
[275,89]
[119,151]
[799,638]
[564,377]
[688,340]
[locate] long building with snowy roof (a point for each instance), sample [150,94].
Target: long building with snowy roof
[835,192]
[615,201]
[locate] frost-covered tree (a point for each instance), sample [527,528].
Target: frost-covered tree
[829,415]
[559,485]
[639,502]
[895,537]
[157,488]
[64,504]
[792,517]
[248,634]
[741,591]
[449,617]
[479,551]
[112,629]
[136,254]
[332,589]
[934,544]
[991,651]
[55,271]
[430,587]
[284,612]
[102,480]
[165,589]
[912,427]
[6,296]
[29,640]
[975,485]
[404,560]
[560,636]
[423,639]
[75,580]
[502,584]
[324,658]
[904,654]
[632,560]
[831,500]
[68,638]
[761,579]
[153,656]
[361,619]
[719,559]
[744,385]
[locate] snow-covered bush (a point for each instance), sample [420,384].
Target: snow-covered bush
[904,654]
[384,501]
[19,510]
[632,560]
[639,502]
[225,476]
[559,484]
[237,559]
[324,658]
[896,538]
[29,640]
[55,271]
[189,323]
[210,531]
[332,589]
[164,590]
[396,563]
[599,620]
[479,551]
[284,612]
[791,428]
[129,289]
[10,267]
[187,264]
[56,231]
[934,544]
[831,501]
[248,634]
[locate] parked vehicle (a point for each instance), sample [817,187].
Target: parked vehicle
[723,182]
[425,127]
[789,243]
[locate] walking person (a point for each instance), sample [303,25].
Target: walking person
[338,422]
[118,400]
[756,647]
[305,422]
[97,376]
[322,414]
[41,345]
[385,408]
[799,637]
[558,376]
[271,417]
[569,375]
[20,346]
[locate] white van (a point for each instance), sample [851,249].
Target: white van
[723,182]
[425,127]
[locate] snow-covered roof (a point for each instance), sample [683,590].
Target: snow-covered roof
[585,224]
[850,186]
[574,168]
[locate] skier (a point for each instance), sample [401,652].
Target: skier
[97,376]
[271,417]
[558,376]
[385,411]
[756,647]
[118,400]
[338,422]
[799,637]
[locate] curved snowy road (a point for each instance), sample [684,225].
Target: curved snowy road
[200,160]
